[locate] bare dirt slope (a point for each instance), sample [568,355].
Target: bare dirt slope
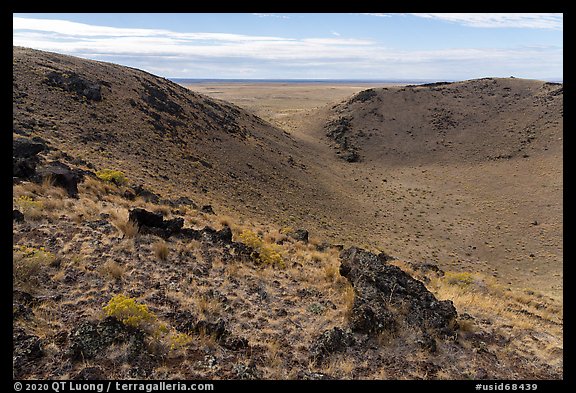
[467,175]
[164,136]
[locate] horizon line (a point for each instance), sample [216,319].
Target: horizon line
[358,80]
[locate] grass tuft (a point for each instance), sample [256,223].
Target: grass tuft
[161,250]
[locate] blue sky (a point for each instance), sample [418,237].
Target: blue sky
[449,46]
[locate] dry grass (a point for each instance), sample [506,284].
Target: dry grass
[341,366]
[31,206]
[28,263]
[55,205]
[162,209]
[112,269]
[161,250]
[482,297]
[129,229]
[87,210]
[96,188]
[45,321]
[332,272]
[226,220]
[206,306]
[274,363]
[348,295]
[256,297]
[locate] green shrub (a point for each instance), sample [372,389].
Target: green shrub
[112,176]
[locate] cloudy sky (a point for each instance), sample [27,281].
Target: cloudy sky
[453,46]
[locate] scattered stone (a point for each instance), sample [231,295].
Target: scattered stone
[323,246]
[93,373]
[299,235]
[350,156]
[22,303]
[387,298]
[145,218]
[17,215]
[189,234]
[145,194]
[25,348]
[61,175]
[75,83]
[312,376]
[179,202]
[334,340]
[174,225]
[159,100]
[363,96]
[91,339]
[154,223]
[427,342]
[207,209]
[481,373]
[26,148]
[25,157]
[466,317]
[340,130]
[187,323]
[242,251]
[246,371]
[129,194]
[427,268]
[24,168]
[225,234]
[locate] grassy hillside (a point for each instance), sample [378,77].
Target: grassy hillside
[159,233]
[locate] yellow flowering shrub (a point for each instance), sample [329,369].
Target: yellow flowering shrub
[134,314]
[27,262]
[268,254]
[112,176]
[27,204]
[130,312]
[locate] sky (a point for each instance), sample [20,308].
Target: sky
[424,46]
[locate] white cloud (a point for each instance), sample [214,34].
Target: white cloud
[271,16]
[335,33]
[377,14]
[552,21]
[213,55]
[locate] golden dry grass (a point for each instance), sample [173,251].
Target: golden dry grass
[112,269]
[161,250]
[129,229]
[482,296]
